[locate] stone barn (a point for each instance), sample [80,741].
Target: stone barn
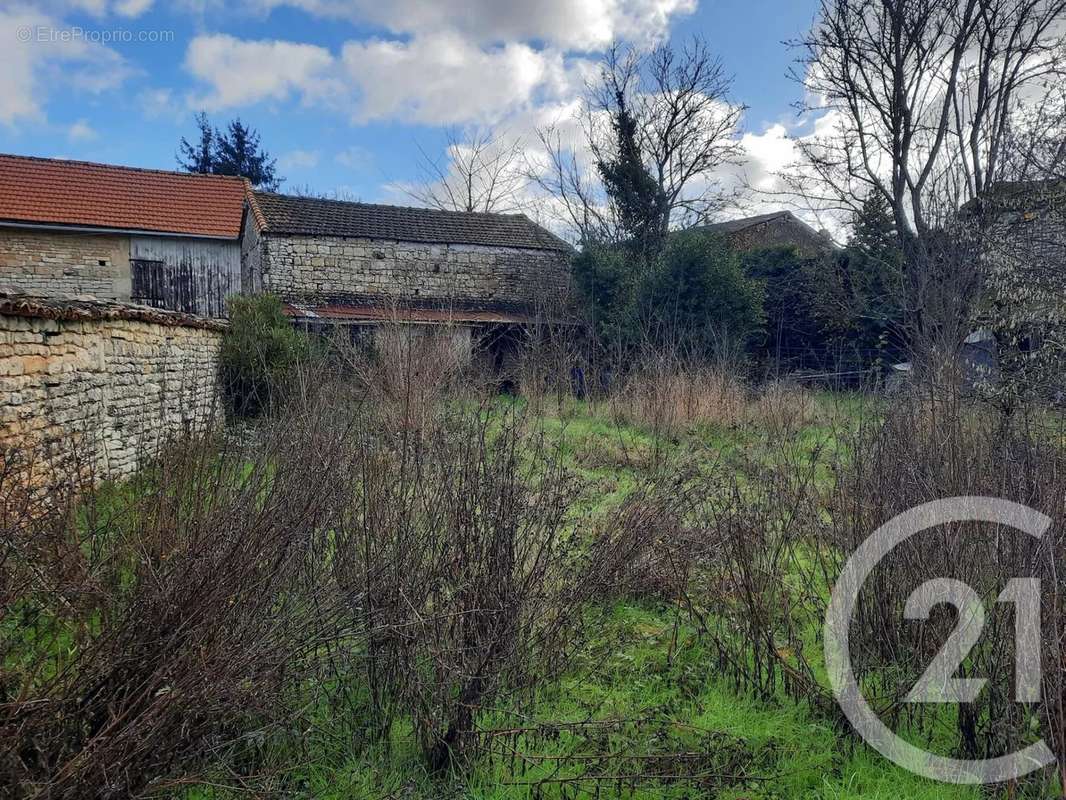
[170,240]
[358,266]
[778,229]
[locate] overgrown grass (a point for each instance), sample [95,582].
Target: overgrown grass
[656,702]
[645,710]
[644,691]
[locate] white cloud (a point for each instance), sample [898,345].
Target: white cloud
[569,24]
[80,131]
[132,8]
[299,159]
[32,64]
[433,79]
[161,103]
[245,72]
[443,79]
[758,179]
[96,8]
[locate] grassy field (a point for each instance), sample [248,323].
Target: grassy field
[644,710]
[486,598]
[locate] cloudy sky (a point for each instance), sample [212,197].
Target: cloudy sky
[344,92]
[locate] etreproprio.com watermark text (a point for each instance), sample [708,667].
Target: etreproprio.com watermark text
[47,34]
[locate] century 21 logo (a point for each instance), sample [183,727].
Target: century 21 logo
[937,684]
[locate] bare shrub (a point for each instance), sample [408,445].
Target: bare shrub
[456,562]
[647,547]
[408,370]
[783,407]
[550,369]
[930,446]
[757,602]
[149,624]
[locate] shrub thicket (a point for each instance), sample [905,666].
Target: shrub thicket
[694,297]
[260,351]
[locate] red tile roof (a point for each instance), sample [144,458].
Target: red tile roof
[78,193]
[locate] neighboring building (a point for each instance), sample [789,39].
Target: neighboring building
[1023,240]
[165,239]
[779,229]
[1025,246]
[357,264]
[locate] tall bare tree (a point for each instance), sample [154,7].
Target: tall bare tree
[685,130]
[685,121]
[574,192]
[921,95]
[481,171]
[1037,144]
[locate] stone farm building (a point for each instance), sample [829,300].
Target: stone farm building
[164,239]
[185,243]
[337,263]
[777,229]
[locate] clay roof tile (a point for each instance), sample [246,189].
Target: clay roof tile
[84,194]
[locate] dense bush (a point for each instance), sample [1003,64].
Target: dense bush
[607,278]
[260,351]
[794,337]
[694,297]
[698,298]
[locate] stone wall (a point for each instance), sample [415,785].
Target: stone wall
[781,232]
[47,262]
[104,382]
[310,269]
[1025,256]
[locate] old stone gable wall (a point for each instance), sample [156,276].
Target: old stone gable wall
[780,232]
[49,262]
[104,382]
[1026,257]
[328,268]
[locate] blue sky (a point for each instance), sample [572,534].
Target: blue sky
[343,92]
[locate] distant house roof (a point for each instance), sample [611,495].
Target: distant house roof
[79,194]
[286,214]
[737,225]
[980,336]
[789,230]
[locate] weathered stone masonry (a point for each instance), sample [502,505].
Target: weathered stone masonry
[49,262]
[104,380]
[320,268]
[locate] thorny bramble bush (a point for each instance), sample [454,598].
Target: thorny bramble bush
[147,627]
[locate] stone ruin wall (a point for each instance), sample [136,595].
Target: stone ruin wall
[317,269]
[100,385]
